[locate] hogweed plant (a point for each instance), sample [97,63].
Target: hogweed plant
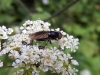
[30,59]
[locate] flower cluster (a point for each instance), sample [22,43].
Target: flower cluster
[34,26]
[31,59]
[4,31]
[4,35]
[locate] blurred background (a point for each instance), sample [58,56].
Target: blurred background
[81,19]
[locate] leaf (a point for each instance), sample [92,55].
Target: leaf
[84,19]
[39,9]
[89,48]
[6,18]
[98,28]
[4,4]
[67,27]
[78,30]
[41,16]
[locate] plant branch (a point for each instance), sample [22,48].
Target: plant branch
[21,3]
[7,67]
[33,6]
[62,10]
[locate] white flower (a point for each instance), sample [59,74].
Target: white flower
[69,56]
[15,41]
[85,72]
[72,70]
[45,2]
[58,66]
[63,33]
[35,72]
[19,72]
[68,42]
[14,64]
[9,31]
[24,31]
[5,50]
[34,26]
[4,36]
[0,45]
[44,68]
[4,31]
[62,42]
[17,61]
[65,73]
[16,29]
[1,63]
[28,22]
[57,29]
[14,54]
[21,28]
[74,62]
[48,62]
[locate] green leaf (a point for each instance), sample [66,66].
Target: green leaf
[89,48]
[6,18]
[78,30]
[84,19]
[41,16]
[98,28]
[4,4]
[39,9]
[67,27]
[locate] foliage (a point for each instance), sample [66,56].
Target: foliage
[81,20]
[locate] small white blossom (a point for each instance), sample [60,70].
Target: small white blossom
[72,70]
[58,29]
[14,54]
[4,31]
[14,64]
[17,61]
[5,50]
[68,42]
[0,45]
[1,63]
[16,29]
[74,62]
[19,72]
[85,72]
[45,2]
[34,26]
[35,72]
[9,31]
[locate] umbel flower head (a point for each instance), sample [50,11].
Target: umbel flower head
[31,59]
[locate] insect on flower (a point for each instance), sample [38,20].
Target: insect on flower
[41,47]
[25,43]
[46,35]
